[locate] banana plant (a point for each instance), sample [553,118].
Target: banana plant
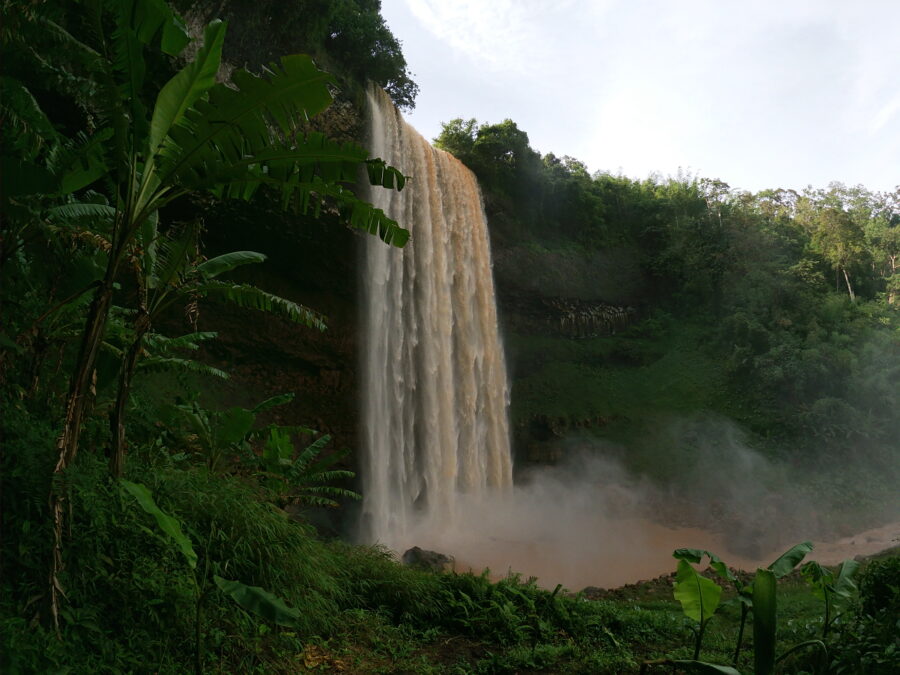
[171,272]
[199,135]
[203,135]
[304,478]
[308,478]
[832,589]
[758,597]
[699,596]
[781,566]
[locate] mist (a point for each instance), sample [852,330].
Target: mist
[593,520]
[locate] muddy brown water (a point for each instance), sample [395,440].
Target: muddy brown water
[638,550]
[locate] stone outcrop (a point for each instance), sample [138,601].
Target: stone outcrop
[566,317]
[430,561]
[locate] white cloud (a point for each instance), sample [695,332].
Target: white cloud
[492,32]
[762,93]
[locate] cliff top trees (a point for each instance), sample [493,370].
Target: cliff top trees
[347,37]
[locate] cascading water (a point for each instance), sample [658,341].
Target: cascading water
[435,393]
[436,461]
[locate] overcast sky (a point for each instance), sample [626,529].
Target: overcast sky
[757,93]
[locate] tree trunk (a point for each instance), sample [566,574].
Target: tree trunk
[849,287]
[79,388]
[892,294]
[117,421]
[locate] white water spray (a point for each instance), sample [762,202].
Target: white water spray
[435,393]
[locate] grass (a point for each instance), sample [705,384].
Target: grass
[131,603]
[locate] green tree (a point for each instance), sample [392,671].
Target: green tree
[199,135]
[347,37]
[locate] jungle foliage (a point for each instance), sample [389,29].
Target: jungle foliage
[349,38]
[173,542]
[788,298]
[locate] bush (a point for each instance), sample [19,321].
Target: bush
[879,587]
[869,644]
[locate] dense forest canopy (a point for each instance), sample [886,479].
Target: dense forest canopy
[153,520]
[798,291]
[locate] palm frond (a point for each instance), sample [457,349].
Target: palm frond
[245,295]
[237,121]
[26,128]
[81,210]
[191,341]
[228,261]
[174,251]
[80,162]
[188,85]
[311,479]
[170,363]
[138,24]
[310,452]
[319,495]
[128,62]
[380,173]
[324,462]
[273,402]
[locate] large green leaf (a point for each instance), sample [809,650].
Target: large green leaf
[174,253]
[788,560]
[245,295]
[764,621]
[820,578]
[695,555]
[273,402]
[84,163]
[191,341]
[699,596]
[236,122]
[188,85]
[258,601]
[243,136]
[170,363]
[229,261]
[166,523]
[844,584]
[128,62]
[26,127]
[278,449]
[155,17]
[234,425]
[78,210]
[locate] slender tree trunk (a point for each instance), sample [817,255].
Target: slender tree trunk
[79,389]
[892,294]
[849,287]
[126,375]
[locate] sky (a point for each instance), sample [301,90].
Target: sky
[757,93]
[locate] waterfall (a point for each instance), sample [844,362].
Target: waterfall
[435,395]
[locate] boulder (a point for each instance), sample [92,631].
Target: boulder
[431,561]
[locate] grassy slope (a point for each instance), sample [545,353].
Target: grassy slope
[131,601]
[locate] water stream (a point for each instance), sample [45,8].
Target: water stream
[436,464]
[435,393]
